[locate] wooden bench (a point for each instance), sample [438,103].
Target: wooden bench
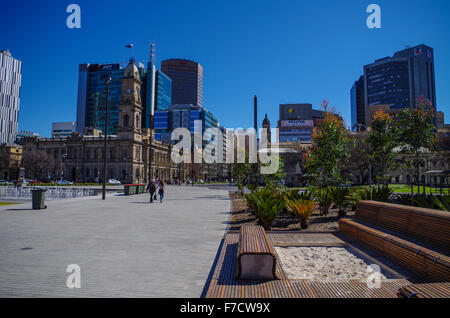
[433,290]
[256,258]
[414,237]
[429,225]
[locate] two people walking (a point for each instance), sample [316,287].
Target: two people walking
[152,189]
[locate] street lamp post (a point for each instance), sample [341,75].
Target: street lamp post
[107,79]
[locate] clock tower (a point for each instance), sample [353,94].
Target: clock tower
[130,107]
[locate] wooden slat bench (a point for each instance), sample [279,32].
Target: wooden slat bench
[414,237]
[256,258]
[429,225]
[433,290]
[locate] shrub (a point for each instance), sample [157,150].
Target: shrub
[354,197]
[380,193]
[252,187]
[324,200]
[266,203]
[340,197]
[442,202]
[303,209]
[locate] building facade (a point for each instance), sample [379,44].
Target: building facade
[357,102]
[10,82]
[297,122]
[398,81]
[187,81]
[156,90]
[10,161]
[63,129]
[80,157]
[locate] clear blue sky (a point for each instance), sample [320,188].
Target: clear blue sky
[283,51]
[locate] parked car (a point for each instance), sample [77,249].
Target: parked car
[65,182]
[113,181]
[4,182]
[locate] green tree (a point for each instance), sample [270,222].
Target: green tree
[271,180]
[382,139]
[331,150]
[416,132]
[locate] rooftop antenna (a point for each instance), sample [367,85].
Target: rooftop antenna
[152,53]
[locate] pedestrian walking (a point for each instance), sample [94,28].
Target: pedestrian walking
[161,190]
[152,189]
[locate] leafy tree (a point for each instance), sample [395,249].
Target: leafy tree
[279,176]
[38,164]
[382,139]
[331,149]
[359,155]
[417,132]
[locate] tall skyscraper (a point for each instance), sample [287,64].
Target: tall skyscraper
[155,93]
[10,82]
[398,81]
[187,81]
[357,102]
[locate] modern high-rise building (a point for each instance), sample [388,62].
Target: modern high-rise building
[10,82]
[187,81]
[297,122]
[182,116]
[357,102]
[155,91]
[398,81]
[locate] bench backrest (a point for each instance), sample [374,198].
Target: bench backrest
[425,224]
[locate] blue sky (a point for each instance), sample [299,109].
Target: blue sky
[284,51]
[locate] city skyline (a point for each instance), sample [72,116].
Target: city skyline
[245,49]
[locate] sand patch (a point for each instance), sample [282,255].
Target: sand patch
[323,264]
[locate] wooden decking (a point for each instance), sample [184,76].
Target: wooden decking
[222,284]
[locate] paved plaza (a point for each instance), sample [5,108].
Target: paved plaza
[124,246]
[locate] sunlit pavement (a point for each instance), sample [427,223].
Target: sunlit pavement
[125,246]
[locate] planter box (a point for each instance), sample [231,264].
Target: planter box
[129,189]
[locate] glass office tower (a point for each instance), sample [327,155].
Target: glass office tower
[398,81]
[187,81]
[10,82]
[91,94]
[358,112]
[182,116]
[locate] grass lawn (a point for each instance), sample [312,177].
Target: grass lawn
[7,203]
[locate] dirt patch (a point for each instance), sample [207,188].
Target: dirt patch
[242,215]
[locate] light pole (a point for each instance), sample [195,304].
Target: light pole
[107,79]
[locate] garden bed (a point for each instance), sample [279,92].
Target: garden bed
[241,215]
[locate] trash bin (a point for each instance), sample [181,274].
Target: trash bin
[39,199]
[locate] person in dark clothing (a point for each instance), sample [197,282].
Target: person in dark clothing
[161,190]
[152,189]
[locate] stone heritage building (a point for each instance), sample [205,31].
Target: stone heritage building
[79,157]
[10,161]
